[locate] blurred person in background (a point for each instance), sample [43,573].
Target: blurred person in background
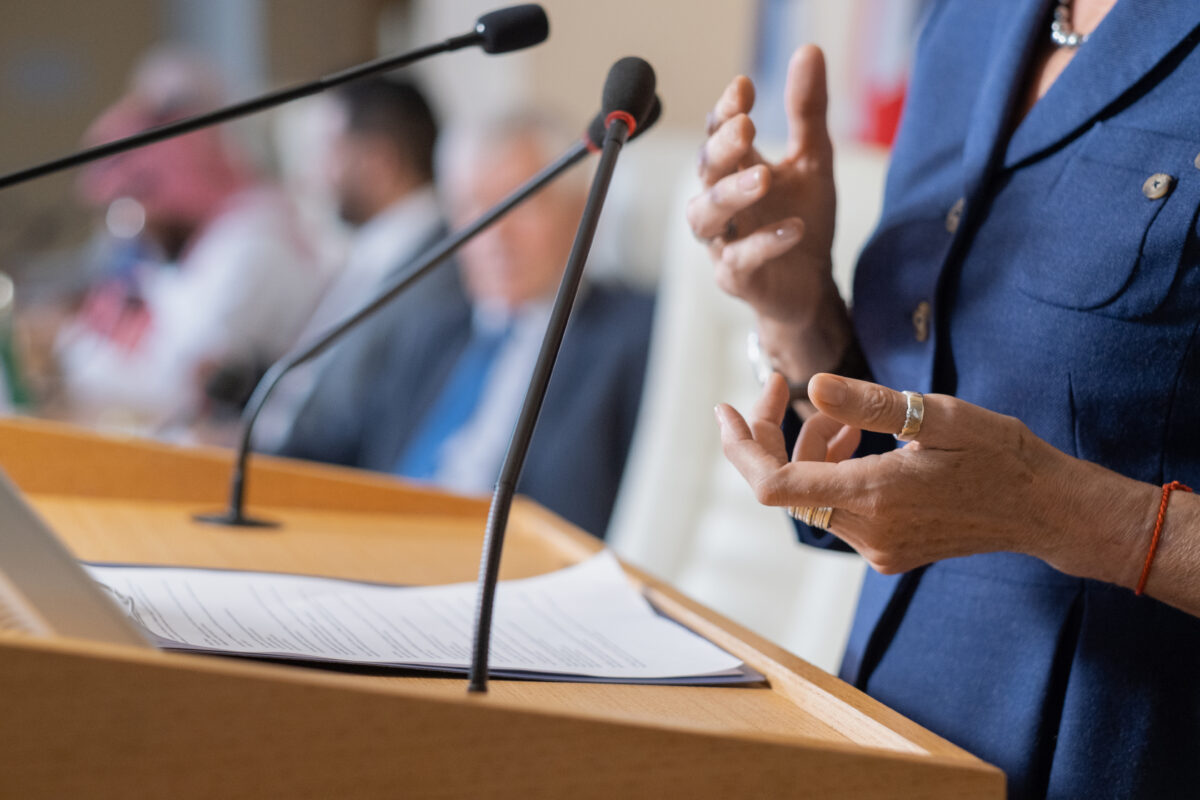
[380,173]
[214,282]
[438,402]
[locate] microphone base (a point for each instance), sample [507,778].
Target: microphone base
[234,519]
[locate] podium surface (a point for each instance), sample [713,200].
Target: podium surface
[87,719]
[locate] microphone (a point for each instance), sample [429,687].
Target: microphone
[235,513]
[512,28]
[500,31]
[628,91]
[596,130]
[628,99]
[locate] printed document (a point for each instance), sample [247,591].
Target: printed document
[583,622]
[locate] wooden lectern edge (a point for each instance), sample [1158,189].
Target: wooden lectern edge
[860,718]
[58,650]
[269,731]
[82,467]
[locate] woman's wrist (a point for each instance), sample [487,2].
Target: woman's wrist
[1099,523]
[1175,571]
[815,340]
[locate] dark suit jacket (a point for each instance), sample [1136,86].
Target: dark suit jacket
[1067,295]
[366,409]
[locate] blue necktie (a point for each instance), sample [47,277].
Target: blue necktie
[454,405]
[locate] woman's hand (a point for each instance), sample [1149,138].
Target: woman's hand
[770,226]
[973,481]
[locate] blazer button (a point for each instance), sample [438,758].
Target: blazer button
[1158,185]
[920,320]
[954,215]
[1197,161]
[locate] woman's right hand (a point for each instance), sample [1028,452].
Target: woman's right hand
[769,226]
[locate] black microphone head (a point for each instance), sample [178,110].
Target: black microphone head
[512,28]
[629,88]
[595,130]
[651,117]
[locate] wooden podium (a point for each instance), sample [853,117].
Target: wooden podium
[81,719]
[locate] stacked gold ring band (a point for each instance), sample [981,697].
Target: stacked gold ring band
[813,516]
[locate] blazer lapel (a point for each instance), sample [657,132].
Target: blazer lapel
[410,381]
[1128,44]
[1002,89]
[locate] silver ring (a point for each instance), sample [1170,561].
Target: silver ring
[914,415]
[812,516]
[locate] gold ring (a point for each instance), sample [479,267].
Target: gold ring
[813,516]
[914,415]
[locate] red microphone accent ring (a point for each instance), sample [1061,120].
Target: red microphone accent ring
[592,147]
[624,116]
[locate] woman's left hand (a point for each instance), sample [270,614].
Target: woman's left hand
[972,481]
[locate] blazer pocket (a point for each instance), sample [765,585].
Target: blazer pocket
[1115,223]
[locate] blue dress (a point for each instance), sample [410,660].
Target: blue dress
[1050,271]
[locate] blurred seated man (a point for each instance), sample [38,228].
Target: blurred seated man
[437,401]
[380,173]
[220,281]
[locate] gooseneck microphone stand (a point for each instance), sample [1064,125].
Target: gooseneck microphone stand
[499,31]
[489,568]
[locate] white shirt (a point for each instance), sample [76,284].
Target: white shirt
[241,292]
[472,457]
[386,241]
[390,238]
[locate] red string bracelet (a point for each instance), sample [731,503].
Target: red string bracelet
[1158,525]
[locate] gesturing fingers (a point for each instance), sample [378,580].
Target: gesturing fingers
[709,212]
[761,435]
[755,249]
[731,146]
[757,464]
[777,482]
[824,438]
[767,415]
[806,100]
[738,98]
[948,423]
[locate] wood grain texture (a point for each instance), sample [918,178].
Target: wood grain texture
[116,724]
[159,724]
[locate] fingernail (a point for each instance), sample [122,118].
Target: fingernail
[789,231]
[720,417]
[828,390]
[750,180]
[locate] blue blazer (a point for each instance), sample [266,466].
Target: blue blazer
[1064,289]
[367,407]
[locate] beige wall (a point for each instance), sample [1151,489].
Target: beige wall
[695,48]
[61,62]
[305,40]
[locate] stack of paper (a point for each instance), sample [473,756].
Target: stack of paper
[585,622]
